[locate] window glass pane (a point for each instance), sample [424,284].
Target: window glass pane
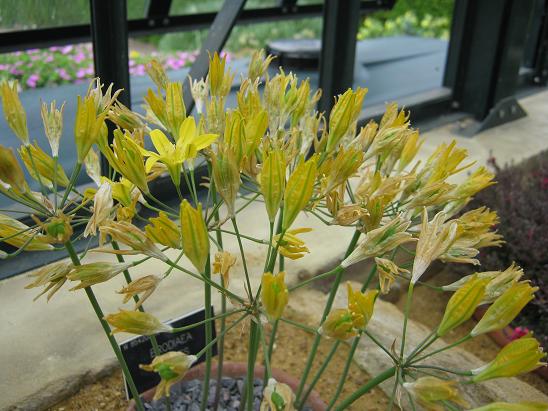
[31,14]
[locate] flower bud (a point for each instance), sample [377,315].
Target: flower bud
[226,175]
[87,126]
[53,125]
[290,245]
[58,229]
[224,261]
[142,287]
[258,65]
[435,238]
[361,306]
[126,233]
[157,74]
[17,234]
[505,308]
[429,391]
[339,324]
[277,397]
[518,357]
[199,91]
[298,191]
[136,322]
[37,161]
[95,273]
[172,367]
[272,182]
[220,80]
[10,171]
[462,304]
[194,235]
[163,230]
[343,116]
[92,164]
[349,214]
[274,294]
[13,111]
[102,207]
[380,241]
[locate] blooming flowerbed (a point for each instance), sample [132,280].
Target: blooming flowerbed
[37,68]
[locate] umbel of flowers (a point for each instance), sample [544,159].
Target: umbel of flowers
[273,148]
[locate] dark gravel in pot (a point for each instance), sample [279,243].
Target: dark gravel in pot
[187,396]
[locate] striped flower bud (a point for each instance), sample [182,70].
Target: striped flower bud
[172,367]
[298,190]
[339,324]
[13,111]
[274,294]
[272,182]
[361,306]
[430,391]
[136,322]
[95,273]
[194,235]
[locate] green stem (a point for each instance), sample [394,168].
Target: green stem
[73,178]
[251,358]
[346,369]
[242,253]
[327,308]
[449,370]
[319,372]
[447,347]
[382,347]
[214,341]
[108,333]
[406,318]
[217,317]
[268,352]
[365,388]
[208,336]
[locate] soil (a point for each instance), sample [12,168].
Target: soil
[108,393]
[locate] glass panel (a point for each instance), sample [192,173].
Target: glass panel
[422,18]
[31,14]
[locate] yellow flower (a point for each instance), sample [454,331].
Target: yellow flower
[92,164]
[169,113]
[387,271]
[505,308]
[272,182]
[349,214]
[224,261]
[13,111]
[17,234]
[157,74]
[499,282]
[429,391]
[11,172]
[337,170]
[172,367]
[514,406]
[477,181]
[102,207]
[290,245]
[518,357]
[95,273]
[53,125]
[462,304]
[274,294]
[194,235]
[126,233]
[226,175]
[298,191]
[190,139]
[361,306]
[344,115]
[339,324]
[410,149]
[380,241]
[163,230]
[136,322]
[435,238]
[143,287]
[220,80]
[127,160]
[87,126]
[124,118]
[258,64]
[277,397]
[48,171]
[52,277]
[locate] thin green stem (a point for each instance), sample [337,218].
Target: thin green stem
[217,317]
[406,318]
[108,333]
[214,341]
[299,325]
[208,336]
[344,374]
[242,253]
[447,347]
[268,352]
[72,181]
[372,383]
[449,370]
[379,344]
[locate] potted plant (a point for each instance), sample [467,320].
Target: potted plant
[276,149]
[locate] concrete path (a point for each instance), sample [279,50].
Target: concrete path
[47,350]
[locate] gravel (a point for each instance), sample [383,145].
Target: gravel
[187,396]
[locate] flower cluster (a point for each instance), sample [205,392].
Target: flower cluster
[275,149]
